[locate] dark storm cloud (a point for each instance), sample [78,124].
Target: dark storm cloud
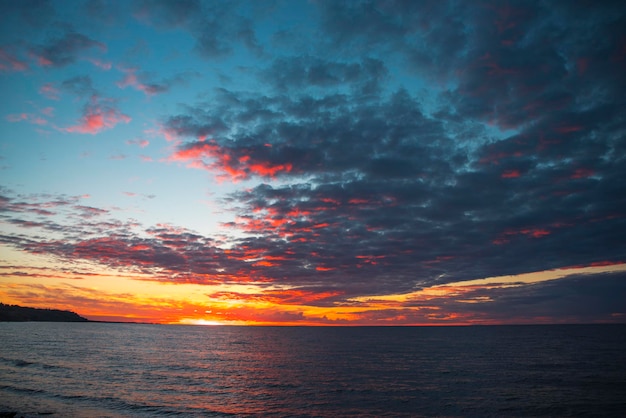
[296,73]
[144,82]
[22,16]
[327,136]
[107,11]
[167,13]
[81,86]
[506,63]
[216,26]
[576,298]
[384,191]
[62,50]
[395,194]
[59,47]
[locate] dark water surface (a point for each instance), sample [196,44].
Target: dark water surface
[111,370]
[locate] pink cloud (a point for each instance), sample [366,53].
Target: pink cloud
[89,211]
[141,142]
[64,50]
[8,62]
[169,134]
[49,91]
[131,80]
[16,117]
[43,61]
[222,160]
[266,169]
[26,117]
[96,118]
[104,65]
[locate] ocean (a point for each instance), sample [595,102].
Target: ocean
[135,370]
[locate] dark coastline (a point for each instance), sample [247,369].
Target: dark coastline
[15,313]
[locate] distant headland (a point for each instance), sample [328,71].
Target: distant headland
[15,313]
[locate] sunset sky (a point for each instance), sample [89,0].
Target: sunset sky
[314,162]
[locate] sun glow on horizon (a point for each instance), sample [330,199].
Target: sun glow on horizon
[193,304]
[191,321]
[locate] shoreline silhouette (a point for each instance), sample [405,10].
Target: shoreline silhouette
[16,313]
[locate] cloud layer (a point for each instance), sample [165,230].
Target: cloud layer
[400,147]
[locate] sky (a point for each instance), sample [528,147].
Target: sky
[314,162]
